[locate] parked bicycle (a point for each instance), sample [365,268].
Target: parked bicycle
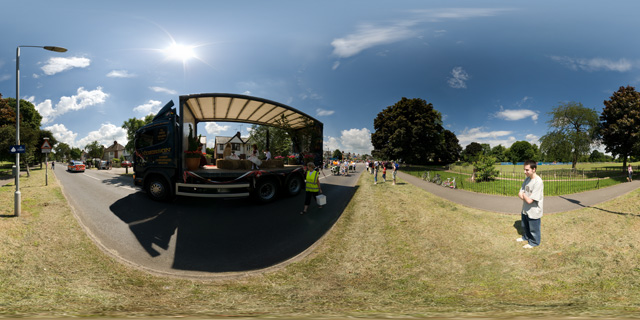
[449,183]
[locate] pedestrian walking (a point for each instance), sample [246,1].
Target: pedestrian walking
[532,195]
[313,188]
[375,174]
[630,171]
[53,165]
[395,171]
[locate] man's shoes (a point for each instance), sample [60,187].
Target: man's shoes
[527,246]
[520,239]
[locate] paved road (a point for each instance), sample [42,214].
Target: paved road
[513,205]
[199,238]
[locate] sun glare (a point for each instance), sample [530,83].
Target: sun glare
[180,52]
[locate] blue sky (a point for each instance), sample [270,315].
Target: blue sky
[494,69]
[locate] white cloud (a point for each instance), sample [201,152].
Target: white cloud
[594,64]
[152,106]
[81,100]
[533,139]
[514,115]
[335,65]
[459,78]
[214,129]
[106,135]
[357,140]
[120,74]
[368,36]
[323,112]
[59,64]
[331,144]
[62,134]
[163,90]
[480,135]
[5,77]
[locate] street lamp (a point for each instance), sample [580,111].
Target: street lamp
[17,198]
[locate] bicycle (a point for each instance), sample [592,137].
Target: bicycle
[450,183]
[426,176]
[446,183]
[437,180]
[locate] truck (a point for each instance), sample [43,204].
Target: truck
[160,161]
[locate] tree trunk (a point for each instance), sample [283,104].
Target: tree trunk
[26,165]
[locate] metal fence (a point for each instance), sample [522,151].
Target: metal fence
[556,181]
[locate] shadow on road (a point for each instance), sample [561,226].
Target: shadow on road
[215,235]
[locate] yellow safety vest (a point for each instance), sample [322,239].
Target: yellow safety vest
[312,181]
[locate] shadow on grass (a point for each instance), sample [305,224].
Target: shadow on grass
[605,210]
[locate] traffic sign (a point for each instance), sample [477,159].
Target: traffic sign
[46,145]
[17,149]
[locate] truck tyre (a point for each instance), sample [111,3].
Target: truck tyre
[266,190]
[293,185]
[157,189]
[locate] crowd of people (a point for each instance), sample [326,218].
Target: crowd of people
[374,167]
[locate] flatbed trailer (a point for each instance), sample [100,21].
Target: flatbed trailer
[160,165]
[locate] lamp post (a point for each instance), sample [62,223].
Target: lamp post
[17,198]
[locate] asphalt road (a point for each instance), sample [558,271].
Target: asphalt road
[194,237]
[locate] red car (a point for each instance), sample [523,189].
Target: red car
[126,164]
[75,166]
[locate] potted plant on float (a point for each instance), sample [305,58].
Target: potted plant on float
[193,153]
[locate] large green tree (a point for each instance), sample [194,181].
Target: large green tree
[279,139]
[410,130]
[573,123]
[521,151]
[555,147]
[451,148]
[95,150]
[62,151]
[499,152]
[472,152]
[620,123]
[30,121]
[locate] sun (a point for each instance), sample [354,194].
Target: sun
[180,52]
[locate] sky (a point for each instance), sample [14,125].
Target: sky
[493,69]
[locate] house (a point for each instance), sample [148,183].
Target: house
[115,151]
[241,145]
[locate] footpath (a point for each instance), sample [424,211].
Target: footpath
[513,205]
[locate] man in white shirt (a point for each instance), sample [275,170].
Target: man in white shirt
[532,195]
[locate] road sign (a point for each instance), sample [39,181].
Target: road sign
[46,145]
[17,149]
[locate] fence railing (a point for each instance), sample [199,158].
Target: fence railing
[556,181]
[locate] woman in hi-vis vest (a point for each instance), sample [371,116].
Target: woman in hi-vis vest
[312,178]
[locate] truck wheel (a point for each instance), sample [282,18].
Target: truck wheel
[266,190]
[157,189]
[293,185]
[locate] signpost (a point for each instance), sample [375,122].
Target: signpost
[46,149]
[17,149]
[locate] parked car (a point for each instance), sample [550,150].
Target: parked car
[104,165]
[75,166]
[126,164]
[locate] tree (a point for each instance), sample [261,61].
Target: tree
[451,148]
[131,126]
[498,152]
[62,150]
[555,147]
[30,121]
[620,123]
[279,139]
[75,153]
[576,124]
[94,150]
[337,154]
[410,130]
[472,152]
[485,168]
[521,151]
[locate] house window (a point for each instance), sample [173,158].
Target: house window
[235,146]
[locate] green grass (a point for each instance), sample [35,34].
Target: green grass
[557,181]
[396,251]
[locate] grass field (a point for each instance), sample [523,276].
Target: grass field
[559,179]
[397,251]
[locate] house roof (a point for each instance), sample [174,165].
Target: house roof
[114,147]
[225,107]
